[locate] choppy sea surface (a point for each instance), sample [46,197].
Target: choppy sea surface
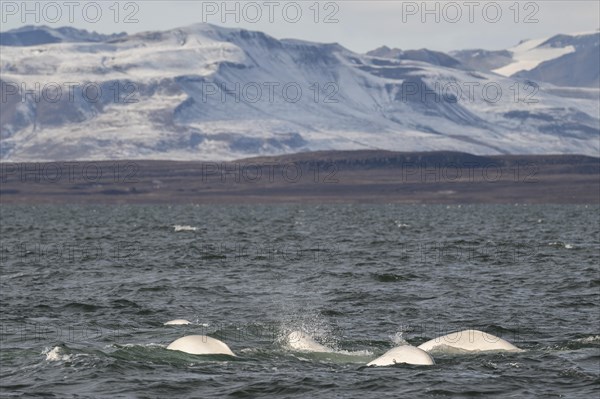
[85,291]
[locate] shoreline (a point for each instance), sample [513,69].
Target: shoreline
[311,178]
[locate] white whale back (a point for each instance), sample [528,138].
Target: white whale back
[177,322]
[300,341]
[200,345]
[469,340]
[403,354]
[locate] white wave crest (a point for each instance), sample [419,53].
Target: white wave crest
[55,355]
[179,227]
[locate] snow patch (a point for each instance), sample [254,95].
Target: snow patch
[528,55]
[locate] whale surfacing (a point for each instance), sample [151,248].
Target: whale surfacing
[403,354]
[300,341]
[200,345]
[470,341]
[177,322]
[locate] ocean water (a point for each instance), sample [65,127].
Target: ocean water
[86,289]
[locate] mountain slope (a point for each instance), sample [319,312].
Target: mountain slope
[579,68]
[562,60]
[424,55]
[35,35]
[204,92]
[483,60]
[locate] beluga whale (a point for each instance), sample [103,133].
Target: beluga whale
[407,354]
[200,345]
[468,341]
[301,341]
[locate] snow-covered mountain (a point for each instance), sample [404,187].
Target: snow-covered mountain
[563,60]
[35,35]
[204,92]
